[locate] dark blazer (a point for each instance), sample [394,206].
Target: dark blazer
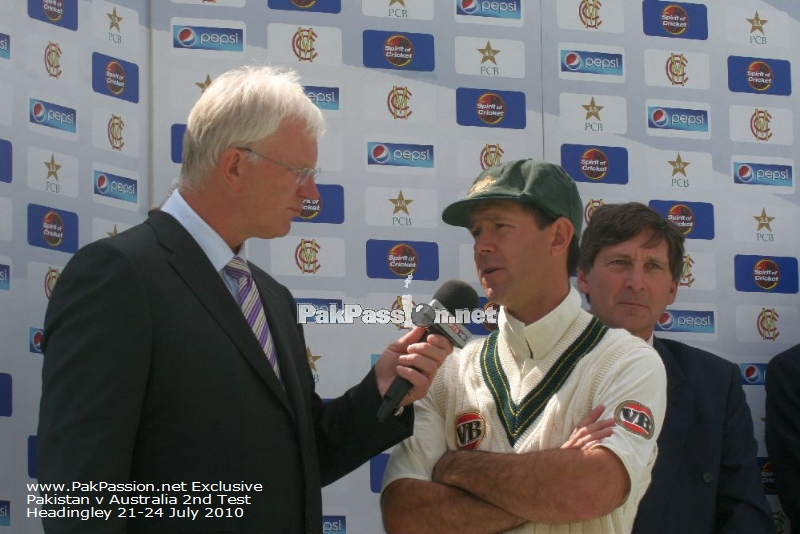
[782,430]
[152,374]
[706,476]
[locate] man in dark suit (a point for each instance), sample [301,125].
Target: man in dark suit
[706,477]
[782,429]
[159,395]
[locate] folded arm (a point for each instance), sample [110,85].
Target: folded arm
[417,506]
[413,505]
[550,486]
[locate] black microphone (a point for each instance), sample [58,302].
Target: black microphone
[439,317]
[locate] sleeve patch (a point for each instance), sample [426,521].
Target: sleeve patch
[636,418]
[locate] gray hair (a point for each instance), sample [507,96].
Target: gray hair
[240,107]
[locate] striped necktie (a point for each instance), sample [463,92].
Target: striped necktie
[250,302]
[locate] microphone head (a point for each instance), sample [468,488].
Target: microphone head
[457,295]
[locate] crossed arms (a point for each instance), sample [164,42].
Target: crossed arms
[493,492]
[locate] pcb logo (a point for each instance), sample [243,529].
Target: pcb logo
[636,418]
[470,430]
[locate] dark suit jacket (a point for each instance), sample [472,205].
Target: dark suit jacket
[152,374]
[782,431]
[706,477]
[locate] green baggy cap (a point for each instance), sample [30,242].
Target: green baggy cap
[540,183]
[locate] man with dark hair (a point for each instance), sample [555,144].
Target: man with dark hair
[782,429]
[174,366]
[494,447]
[706,478]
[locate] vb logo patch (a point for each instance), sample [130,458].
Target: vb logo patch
[470,430]
[635,417]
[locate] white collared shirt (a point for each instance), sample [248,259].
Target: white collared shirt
[214,247]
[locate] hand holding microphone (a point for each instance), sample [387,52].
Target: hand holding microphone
[439,318]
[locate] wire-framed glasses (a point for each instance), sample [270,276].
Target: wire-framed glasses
[301,174]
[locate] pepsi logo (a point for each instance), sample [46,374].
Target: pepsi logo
[187,37]
[38,112]
[36,340]
[380,153]
[666,321]
[752,374]
[744,172]
[659,117]
[768,478]
[573,61]
[469,6]
[101,183]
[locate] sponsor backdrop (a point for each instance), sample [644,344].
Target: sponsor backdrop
[686,106]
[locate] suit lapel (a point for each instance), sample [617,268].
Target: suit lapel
[672,440]
[192,265]
[280,324]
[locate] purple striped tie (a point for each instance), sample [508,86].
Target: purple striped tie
[250,302]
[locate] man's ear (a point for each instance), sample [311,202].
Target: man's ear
[583,281]
[230,165]
[673,292]
[562,236]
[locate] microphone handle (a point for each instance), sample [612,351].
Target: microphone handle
[393,397]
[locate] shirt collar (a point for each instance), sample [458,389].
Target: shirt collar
[537,339]
[214,247]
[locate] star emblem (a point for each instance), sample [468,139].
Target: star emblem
[115,20]
[678,165]
[757,24]
[488,53]
[592,110]
[400,203]
[52,167]
[312,359]
[763,220]
[204,84]
[113,232]
[401,2]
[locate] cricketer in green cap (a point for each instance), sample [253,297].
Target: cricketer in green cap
[546,186]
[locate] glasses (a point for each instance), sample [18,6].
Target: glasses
[302,174]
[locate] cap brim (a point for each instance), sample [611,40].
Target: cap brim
[458,213]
